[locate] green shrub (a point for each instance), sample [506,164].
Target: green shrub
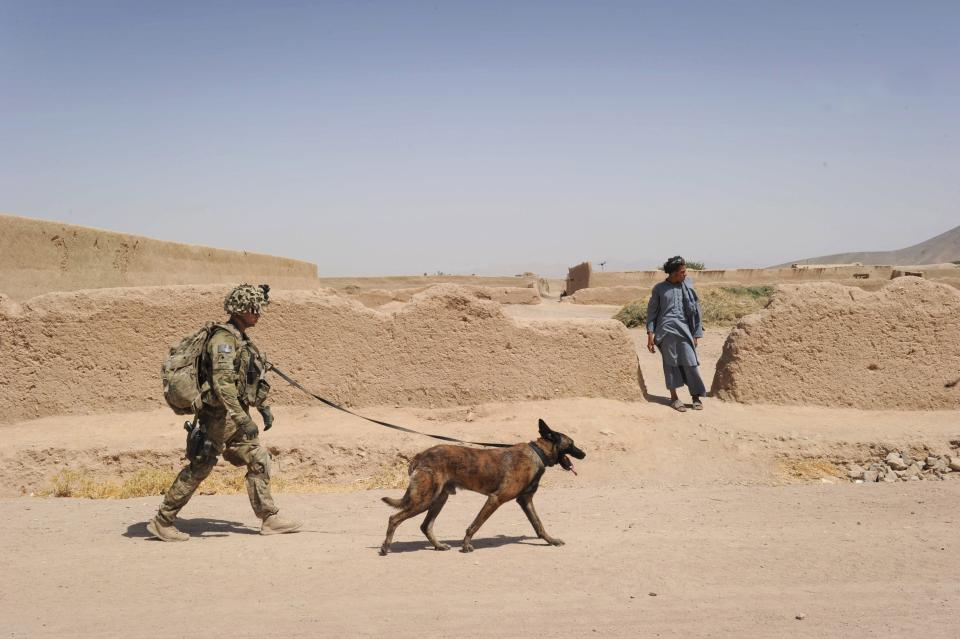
[720,305]
[725,305]
[754,292]
[694,266]
[633,314]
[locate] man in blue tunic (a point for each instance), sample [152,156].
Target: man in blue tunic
[674,325]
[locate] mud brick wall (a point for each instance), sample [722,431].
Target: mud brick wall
[96,351]
[835,345]
[38,257]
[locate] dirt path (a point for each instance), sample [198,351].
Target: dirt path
[318,449]
[852,560]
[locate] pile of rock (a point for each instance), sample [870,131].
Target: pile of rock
[900,466]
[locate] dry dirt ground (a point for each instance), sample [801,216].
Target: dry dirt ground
[731,522]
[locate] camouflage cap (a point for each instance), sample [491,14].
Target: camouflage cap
[247,298]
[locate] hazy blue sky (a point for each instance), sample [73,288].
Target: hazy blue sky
[487,137]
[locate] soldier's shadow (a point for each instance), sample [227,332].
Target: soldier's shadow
[197,527]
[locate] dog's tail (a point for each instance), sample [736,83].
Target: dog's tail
[395,503]
[404,501]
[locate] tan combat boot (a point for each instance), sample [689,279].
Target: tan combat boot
[275,525]
[166,532]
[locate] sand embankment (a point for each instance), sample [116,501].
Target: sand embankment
[611,295]
[585,286]
[833,345]
[373,298]
[100,350]
[393,282]
[37,257]
[849,274]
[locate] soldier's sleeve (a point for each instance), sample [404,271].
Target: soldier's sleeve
[263,386]
[222,349]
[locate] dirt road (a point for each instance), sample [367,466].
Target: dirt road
[851,560]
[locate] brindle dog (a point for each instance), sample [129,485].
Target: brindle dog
[501,474]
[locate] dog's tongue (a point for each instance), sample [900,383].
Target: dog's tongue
[569,464]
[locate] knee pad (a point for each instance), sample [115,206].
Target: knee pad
[231,457]
[260,464]
[201,468]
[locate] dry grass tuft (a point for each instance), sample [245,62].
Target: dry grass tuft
[146,482]
[391,475]
[807,469]
[224,480]
[84,484]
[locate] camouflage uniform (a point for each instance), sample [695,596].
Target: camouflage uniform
[233,370]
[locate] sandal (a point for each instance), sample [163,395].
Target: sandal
[697,404]
[677,405]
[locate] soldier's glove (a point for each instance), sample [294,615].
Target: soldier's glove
[249,428]
[267,415]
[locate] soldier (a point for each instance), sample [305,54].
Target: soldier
[232,381]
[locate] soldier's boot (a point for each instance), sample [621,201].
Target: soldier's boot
[275,525]
[166,532]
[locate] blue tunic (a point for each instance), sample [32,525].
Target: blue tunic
[673,316]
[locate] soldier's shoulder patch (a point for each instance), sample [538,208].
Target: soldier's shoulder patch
[224,348]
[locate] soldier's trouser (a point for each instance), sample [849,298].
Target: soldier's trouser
[236,448]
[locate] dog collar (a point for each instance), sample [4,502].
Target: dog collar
[535,482]
[542,455]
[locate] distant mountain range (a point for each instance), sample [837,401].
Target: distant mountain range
[937,250]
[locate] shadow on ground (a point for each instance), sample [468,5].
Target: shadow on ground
[666,401]
[197,527]
[455,544]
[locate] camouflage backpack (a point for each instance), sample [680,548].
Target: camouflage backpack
[181,372]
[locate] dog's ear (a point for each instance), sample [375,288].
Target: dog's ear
[548,434]
[544,430]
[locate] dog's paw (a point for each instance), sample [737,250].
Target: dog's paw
[553,541]
[442,546]
[384,551]
[467,547]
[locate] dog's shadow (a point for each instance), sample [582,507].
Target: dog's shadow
[455,544]
[197,527]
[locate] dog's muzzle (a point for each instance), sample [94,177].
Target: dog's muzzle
[565,462]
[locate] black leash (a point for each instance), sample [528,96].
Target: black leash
[298,385]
